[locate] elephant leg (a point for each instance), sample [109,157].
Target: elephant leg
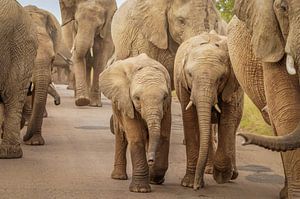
[212,150]
[27,111]
[119,172]
[283,96]
[1,119]
[191,136]
[225,162]
[13,104]
[98,66]
[140,174]
[160,167]
[71,81]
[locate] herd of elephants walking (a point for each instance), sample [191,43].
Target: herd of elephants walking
[136,56]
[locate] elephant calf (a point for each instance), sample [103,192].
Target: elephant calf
[209,94]
[140,91]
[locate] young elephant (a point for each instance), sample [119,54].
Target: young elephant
[140,91]
[209,93]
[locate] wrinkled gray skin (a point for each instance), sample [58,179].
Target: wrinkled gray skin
[88,23]
[141,99]
[204,77]
[158,27]
[49,41]
[264,37]
[17,54]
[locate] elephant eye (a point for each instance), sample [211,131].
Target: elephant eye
[284,6]
[137,98]
[165,96]
[181,21]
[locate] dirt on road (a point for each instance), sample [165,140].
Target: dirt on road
[77,160]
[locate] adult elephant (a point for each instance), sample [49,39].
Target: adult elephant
[209,94]
[142,117]
[92,45]
[264,37]
[158,27]
[49,43]
[17,53]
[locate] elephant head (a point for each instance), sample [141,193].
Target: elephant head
[140,88]
[49,43]
[164,22]
[92,22]
[275,29]
[202,67]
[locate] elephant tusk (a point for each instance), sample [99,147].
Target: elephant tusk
[190,104]
[92,52]
[217,108]
[290,65]
[73,48]
[265,109]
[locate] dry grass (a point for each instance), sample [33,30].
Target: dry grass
[252,120]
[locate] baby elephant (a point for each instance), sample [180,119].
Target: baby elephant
[209,94]
[140,91]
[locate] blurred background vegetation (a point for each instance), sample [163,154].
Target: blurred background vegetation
[252,120]
[226,8]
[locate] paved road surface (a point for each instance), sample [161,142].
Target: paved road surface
[78,156]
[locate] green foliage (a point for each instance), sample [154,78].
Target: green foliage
[253,121]
[226,8]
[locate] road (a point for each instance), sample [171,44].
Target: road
[77,160]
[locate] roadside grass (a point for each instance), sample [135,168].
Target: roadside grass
[252,121]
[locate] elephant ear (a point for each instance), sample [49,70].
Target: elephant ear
[54,31]
[152,19]
[259,16]
[106,29]
[232,85]
[115,82]
[67,9]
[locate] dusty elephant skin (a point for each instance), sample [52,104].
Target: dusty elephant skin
[140,90]
[209,93]
[270,46]
[88,23]
[158,27]
[18,50]
[49,41]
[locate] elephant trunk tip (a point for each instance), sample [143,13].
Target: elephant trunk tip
[246,136]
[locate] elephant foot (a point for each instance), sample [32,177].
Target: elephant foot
[188,180]
[140,186]
[222,176]
[284,193]
[157,180]
[10,151]
[82,101]
[70,87]
[95,101]
[35,140]
[209,169]
[119,174]
[235,175]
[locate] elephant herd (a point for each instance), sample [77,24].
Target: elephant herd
[136,55]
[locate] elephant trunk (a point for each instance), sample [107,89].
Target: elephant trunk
[83,42]
[41,80]
[154,129]
[280,143]
[203,102]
